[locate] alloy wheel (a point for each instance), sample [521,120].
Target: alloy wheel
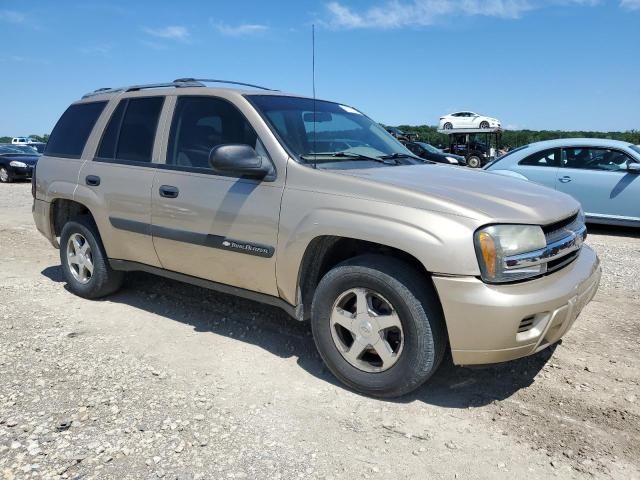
[366,330]
[79,258]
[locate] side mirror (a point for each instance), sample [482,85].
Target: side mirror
[633,168]
[241,160]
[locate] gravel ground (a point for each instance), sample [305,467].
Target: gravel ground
[165,380]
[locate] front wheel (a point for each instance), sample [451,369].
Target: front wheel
[5,175]
[378,326]
[484,124]
[474,162]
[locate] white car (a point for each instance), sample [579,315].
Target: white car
[19,140]
[467,120]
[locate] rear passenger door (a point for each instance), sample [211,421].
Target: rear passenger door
[117,183]
[211,226]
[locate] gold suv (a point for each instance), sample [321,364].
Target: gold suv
[312,206]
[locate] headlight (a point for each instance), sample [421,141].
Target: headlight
[452,160]
[15,163]
[495,243]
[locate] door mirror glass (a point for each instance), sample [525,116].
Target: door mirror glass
[241,160]
[633,168]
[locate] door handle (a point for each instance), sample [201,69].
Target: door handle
[169,191]
[565,179]
[92,180]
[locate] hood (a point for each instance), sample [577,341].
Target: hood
[476,194]
[28,159]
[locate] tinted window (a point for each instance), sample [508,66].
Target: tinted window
[595,159]
[107,147]
[546,158]
[201,123]
[70,134]
[138,131]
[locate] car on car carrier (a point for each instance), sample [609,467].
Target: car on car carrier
[392,258]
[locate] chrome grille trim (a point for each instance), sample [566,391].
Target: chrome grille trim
[571,241]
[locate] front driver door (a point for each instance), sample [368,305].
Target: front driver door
[220,228]
[599,179]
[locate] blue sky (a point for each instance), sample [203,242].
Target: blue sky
[540,64]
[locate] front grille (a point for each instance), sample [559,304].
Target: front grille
[558,263]
[552,227]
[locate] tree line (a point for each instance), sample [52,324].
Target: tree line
[516,138]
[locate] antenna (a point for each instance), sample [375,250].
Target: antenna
[313,74]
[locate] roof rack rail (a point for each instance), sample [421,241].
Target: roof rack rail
[178,83]
[135,88]
[230,82]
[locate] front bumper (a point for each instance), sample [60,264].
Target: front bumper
[21,172]
[484,320]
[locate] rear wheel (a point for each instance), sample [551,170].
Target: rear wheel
[84,260]
[5,175]
[448,126]
[378,326]
[474,161]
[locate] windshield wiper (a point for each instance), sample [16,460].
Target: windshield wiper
[349,155]
[395,156]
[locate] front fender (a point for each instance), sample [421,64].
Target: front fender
[442,243]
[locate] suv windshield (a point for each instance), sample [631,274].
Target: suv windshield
[333,129]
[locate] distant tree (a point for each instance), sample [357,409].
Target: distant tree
[40,138]
[5,139]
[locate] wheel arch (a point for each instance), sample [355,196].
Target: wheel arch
[326,251]
[63,209]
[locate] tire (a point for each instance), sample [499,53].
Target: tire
[448,126]
[103,280]
[474,162]
[5,175]
[484,124]
[413,300]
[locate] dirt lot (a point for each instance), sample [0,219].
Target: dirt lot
[165,380]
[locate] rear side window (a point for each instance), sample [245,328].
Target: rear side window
[546,158]
[70,134]
[131,131]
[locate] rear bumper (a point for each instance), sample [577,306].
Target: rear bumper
[483,320]
[41,211]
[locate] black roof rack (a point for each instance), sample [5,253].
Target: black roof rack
[178,83]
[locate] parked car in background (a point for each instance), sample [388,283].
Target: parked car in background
[39,146]
[468,120]
[604,175]
[429,152]
[400,135]
[16,162]
[19,140]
